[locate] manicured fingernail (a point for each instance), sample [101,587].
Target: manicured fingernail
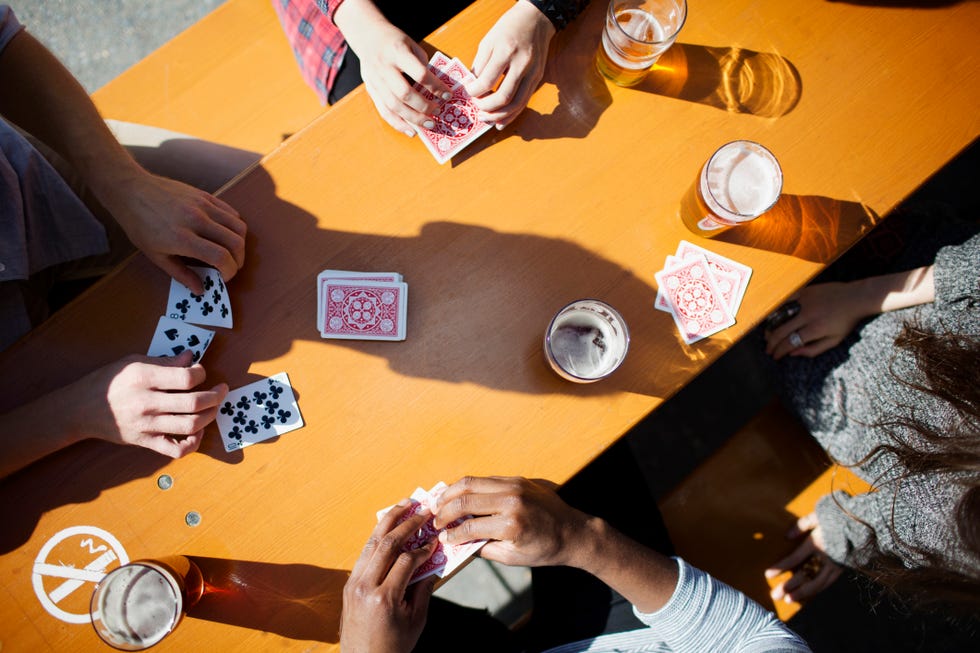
[787,599]
[446,95]
[771,573]
[409,133]
[428,124]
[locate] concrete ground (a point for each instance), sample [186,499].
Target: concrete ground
[104,37]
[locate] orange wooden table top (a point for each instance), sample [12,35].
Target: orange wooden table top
[579,198]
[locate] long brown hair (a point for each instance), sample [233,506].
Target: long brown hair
[949,370]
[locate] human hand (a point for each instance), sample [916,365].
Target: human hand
[525,521]
[828,313]
[387,56]
[149,402]
[516,47]
[169,220]
[812,570]
[381,611]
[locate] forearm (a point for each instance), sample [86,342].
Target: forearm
[644,577]
[43,98]
[891,292]
[358,20]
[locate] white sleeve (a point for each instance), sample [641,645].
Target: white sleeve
[705,614]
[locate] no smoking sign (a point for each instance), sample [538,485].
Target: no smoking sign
[68,567]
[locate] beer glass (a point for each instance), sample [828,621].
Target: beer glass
[741,181]
[586,341]
[138,604]
[635,34]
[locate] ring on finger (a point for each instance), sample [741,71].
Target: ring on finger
[795,340]
[812,566]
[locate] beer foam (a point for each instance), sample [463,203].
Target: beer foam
[744,180]
[582,344]
[639,25]
[139,606]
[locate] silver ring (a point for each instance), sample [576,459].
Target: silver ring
[795,340]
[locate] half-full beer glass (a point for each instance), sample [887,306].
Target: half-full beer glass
[138,604]
[635,34]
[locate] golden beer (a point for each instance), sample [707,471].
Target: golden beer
[634,36]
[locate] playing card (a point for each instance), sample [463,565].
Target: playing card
[445,558]
[450,71]
[258,411]
[723,268]
[697,305]
[174,336]
[456,126]
[212,308]
[357,310]
[391,277]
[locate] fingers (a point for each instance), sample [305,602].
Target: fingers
[794,559]
[463,498]
[170,446]
[487,72]
[804,524]
[385,548]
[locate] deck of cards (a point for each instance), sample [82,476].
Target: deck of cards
[361,305]
[445,558]
[701,290]
[456,124]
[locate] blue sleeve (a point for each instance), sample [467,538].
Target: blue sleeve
[9,26]
[705,614]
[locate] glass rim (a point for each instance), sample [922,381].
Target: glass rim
[611,13]
[147,564]
[767,153]
[615,313]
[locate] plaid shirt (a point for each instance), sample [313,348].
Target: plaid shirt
[316,40]
[319,46]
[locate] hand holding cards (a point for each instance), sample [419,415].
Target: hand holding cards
[456,125]
[361,305]
[445,558]
[701,290]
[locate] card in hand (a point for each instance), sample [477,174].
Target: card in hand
[359,310]
[445,558]
[212,308]
[450,71]
[173,336]
[257,412]
[697,305]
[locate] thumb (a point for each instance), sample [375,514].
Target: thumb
[183,359]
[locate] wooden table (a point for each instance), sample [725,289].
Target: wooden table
[580,197]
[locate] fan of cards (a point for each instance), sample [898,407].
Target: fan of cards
[445,558]
[701,290]
[361,305]
[456,124]
[250,414]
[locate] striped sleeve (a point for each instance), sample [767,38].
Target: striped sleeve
[705,614]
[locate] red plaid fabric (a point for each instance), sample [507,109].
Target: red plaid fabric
[317,43]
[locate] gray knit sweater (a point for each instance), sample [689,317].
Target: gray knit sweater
[844,394]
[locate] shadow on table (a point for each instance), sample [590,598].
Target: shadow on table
[80,474]
[730,78]
[297,601]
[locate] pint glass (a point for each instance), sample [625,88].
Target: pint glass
[138,604]
[635,34]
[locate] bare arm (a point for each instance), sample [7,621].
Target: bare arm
[166,219]
[830,311]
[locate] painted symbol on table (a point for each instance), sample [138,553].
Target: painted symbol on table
[69,565]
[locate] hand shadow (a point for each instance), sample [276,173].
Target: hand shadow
[733,79]
[297,601]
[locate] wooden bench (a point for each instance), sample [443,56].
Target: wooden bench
[230,78]
[730,515]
